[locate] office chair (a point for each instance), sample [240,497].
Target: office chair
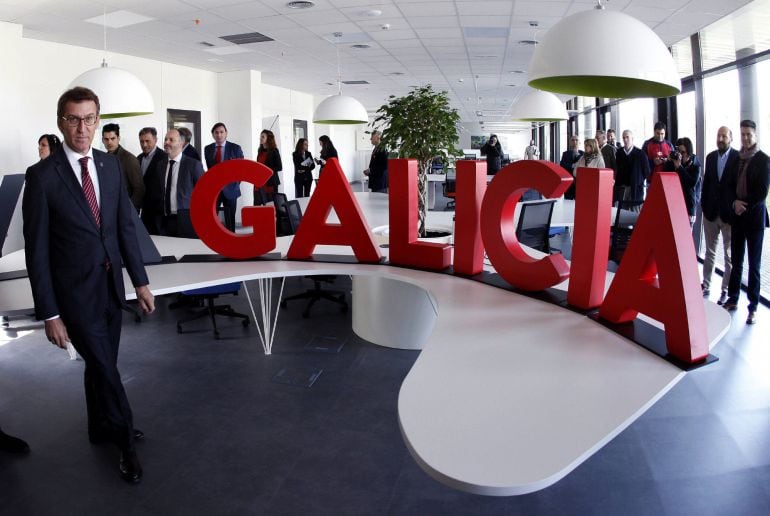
[534,225]
[207,295]
[294,216]
[450,187]
[282,227]
[620,233]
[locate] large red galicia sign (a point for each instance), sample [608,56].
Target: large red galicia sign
[657,277]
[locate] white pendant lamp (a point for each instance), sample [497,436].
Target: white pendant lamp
[539,106]
[121,94]
[568,59]
[340,109]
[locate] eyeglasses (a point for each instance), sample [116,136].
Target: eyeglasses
[74,121]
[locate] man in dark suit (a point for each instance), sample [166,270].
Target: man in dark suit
[187,147]
[129,164]
[378,165]
[746,189]
[166,209]
[633,171]
[717,212]
[217,152]
[608,152]
[568,159]
[151,154]
[78,229]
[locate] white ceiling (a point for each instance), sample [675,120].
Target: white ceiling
[469,48]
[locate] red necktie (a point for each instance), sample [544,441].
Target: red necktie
[218,156]
[88,190]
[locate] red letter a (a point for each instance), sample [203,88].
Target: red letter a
[659,276]
[333,191]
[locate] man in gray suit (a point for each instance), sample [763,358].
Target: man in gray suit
[166,210]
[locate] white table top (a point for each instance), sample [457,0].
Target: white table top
[509,394]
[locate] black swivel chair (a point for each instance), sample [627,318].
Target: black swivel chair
[622,228]
[282,227]
[207,295]
[294,216]
[533,229]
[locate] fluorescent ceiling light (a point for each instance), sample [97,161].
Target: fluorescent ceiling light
[118,19]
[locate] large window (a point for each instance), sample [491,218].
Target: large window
[722,107]
[685,112]
[637,115]
[763,122]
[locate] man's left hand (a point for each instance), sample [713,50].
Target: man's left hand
[146,299]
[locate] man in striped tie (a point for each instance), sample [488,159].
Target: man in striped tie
[78,230]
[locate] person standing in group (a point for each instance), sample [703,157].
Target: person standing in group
[531,151]
[187,147]
[657,149]
[717,212]
[688,168]
[378,165]
[327,152]
[128,163]
[303,169]
[591,158]
[612,140]
[747,185]
[47,145]
[494,153]
[151,154]
[166,209]
[79,233]
[269,156]
[608,152]
[633,171]
[215,153]
[568,159]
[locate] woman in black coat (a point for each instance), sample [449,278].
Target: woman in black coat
[688,168]
[269,156]
[327,151]
[303,166]
[494,153]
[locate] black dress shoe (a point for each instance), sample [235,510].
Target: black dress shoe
[11,444]
[130,469]
[722,298]
[103,436]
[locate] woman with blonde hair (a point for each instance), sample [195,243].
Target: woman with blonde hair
[591,158]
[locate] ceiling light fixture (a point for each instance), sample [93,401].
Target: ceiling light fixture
[300,5]
[565,62]
[121,94]
[539,106]
[340,109]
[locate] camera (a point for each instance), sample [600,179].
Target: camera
[675,156]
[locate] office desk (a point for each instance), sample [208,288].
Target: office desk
[508,395]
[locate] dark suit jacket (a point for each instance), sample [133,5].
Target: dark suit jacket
[378,169]
[231,151]
[66,251]
[758,176]
[159,155]
[191,151]
[273,162]
[689,178]
[302,173]
[190,170]
[713,199]
[609,155]
[633,170]
[134,183]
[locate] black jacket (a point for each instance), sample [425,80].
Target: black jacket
[757,186]
[378,169]
[713,198]
[689,177]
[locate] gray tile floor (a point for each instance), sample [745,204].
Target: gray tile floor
[222,438]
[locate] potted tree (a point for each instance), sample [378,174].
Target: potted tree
[420,125]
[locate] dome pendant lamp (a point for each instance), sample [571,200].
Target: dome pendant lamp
[340,109]
[539,106]
[566,60]
[121,94]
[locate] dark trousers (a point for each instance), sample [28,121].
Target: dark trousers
[746,236]
[228,206]
[97,341]
[179,225]
[302,184]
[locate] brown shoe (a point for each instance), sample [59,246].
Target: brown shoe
[752,318]
[730,305]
